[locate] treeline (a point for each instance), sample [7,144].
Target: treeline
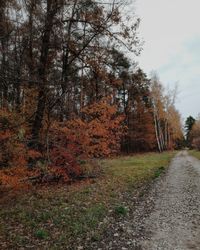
[69,90]
[192,129]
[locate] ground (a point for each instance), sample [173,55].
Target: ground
[79,216]
[168,216]
[137,203]
[174,221]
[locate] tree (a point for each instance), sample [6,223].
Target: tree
[167,120]
[194,134]
[137,108]
[69,89]
[158,110]
[189,123]
[52,8]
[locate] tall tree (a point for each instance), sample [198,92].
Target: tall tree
[189,123]
[52,8]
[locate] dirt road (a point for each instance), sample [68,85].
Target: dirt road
[175,220]
[167,218]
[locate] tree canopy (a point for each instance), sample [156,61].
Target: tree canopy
[70,91]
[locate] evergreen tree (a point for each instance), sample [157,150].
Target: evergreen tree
[190,121]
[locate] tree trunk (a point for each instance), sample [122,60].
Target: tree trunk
[43,89]
[157,132]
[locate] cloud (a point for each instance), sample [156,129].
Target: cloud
[172,46]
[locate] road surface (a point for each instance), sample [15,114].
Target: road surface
[174,222]
[167,217]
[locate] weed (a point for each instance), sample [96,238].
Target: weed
[159,171]
[120,210]
[41,234]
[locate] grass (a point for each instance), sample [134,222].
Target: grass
[56,217]
[121,210]
[159,171]
[41,234]
[195,153]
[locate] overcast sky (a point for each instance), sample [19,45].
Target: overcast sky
[171,31]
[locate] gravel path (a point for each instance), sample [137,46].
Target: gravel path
[167,217]
[175,220]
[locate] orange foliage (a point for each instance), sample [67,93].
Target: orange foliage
[4,135]
[14,177]
[63,164]
[97,134]
[33,154]
[14,153]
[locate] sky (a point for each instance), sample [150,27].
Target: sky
[171,32]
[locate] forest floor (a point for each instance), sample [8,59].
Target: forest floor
[91,214]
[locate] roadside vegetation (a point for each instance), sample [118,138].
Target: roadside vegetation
[195,153]
[59,217]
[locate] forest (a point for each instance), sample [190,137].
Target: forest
[94,149]
[71,90]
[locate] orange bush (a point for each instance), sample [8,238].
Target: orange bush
[14,153]
[97,134]
[15,177]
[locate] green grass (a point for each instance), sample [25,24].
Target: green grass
[195,153]
[41,234]
[121,210]
[55,217]
[159,171]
